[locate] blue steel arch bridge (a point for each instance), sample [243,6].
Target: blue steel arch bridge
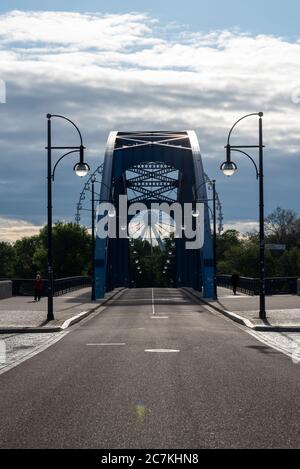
[151,167]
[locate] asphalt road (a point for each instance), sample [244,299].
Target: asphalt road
[213,386]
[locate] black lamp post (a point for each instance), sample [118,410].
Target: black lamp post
[81,169]
[93,239]
[215,238]
[229,168]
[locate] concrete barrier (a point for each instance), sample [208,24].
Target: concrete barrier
[298,286]
[5,289]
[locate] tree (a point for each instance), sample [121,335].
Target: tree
[24,264]
[152,260]
[72,250]
[7,259]
[241,255]
[289,265]
[283,227]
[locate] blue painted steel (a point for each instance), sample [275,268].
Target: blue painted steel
[180,150]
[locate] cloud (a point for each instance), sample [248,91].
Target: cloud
[242,226]
[12,230]
[130,72]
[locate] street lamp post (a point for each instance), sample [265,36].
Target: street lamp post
[81,169]
[229,168]
[93,239]
[215,238]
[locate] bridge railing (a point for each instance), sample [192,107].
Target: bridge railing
[250,286]
[25,287]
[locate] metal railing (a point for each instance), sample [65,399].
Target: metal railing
[250,286]
[25,287]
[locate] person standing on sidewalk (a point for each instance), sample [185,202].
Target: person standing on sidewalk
[38,286]
[235,278]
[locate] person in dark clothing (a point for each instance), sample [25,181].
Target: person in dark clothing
[38,286]
[235,278]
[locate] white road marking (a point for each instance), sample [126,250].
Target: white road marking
[282,342]
[263,337]
[139,300]
[73,319]
[56,337]
[159,317]
[103,345]
[153,308]
[162,350]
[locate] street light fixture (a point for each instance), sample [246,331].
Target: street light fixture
[229,168]
[81,169]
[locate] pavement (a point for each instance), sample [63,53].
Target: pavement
[155,369]
[283,311]
[23,314]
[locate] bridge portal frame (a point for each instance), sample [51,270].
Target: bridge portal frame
[181,150]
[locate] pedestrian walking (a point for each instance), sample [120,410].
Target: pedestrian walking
[235,278]
[38,286]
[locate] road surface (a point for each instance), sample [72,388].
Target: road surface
[155,369]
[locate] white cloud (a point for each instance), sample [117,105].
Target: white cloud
[11,230]
[242,226]
[231,70]
[131,72]
[81,31]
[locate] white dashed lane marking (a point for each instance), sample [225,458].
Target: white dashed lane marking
[160,317]
[152,298]
[162,350]
[104,345]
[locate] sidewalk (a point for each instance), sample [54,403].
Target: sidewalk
[283,311]
[23,314]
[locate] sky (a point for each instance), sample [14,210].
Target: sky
[136,65]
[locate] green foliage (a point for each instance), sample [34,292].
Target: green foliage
[152,260]
[7,259]
[72,250]
[25,248]
[241,254]
[72,253]
[289,265]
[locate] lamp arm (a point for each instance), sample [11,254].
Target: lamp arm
[250,158]
[69,120]
[238,121]
[68,153]
[205,201]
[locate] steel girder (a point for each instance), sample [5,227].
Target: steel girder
[154,156]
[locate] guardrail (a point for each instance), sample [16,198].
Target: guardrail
[250,286]
[25,287]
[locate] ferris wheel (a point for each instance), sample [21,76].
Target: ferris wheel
[153,226]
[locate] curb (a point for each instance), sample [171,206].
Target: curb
[244,322]
[66,324]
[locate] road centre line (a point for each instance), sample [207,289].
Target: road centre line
[153,307]
[143,300]
[160,317]
[162,350]
[106,344]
